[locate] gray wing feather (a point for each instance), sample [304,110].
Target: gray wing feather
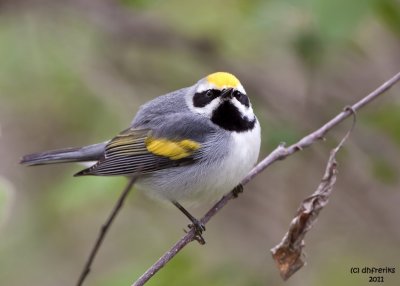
[127,154]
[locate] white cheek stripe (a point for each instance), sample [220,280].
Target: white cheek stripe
[244,110]
[208,109]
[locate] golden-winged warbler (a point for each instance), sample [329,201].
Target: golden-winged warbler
[193,144]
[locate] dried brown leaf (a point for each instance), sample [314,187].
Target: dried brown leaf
[288,254]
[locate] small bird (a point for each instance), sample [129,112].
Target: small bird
[190,145]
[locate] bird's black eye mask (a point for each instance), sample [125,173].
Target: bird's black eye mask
[201,99]
[241,97]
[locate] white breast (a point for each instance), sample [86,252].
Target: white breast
[206,182]
[245,147]
[243,155]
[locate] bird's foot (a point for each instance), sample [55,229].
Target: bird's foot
[198,227]
[237,190]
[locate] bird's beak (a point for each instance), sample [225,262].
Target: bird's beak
[227,94]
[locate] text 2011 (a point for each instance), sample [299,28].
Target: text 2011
[375,279]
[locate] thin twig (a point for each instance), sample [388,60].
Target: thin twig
[281,152]
[103,231]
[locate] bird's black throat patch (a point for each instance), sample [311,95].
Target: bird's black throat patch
[229,117]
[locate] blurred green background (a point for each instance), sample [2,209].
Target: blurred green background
[75,72]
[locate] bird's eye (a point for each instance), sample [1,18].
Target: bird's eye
[237,94]
[242,98]
[209,93]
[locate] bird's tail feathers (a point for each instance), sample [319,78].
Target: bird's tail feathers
[80,154]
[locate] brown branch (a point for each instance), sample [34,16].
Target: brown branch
[103,231]
[281,152]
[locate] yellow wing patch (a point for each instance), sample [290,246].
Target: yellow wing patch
[223,79]
[174,150]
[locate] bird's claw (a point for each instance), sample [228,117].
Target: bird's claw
[198,227]
[237,190]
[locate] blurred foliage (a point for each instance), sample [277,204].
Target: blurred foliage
[69,197]
[48,67]
[6,200]
[75,72]
[384,171]
[389,12]
[386,119]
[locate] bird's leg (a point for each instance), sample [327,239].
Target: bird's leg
[198,226]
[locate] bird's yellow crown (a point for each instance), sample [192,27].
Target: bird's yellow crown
[223,80]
